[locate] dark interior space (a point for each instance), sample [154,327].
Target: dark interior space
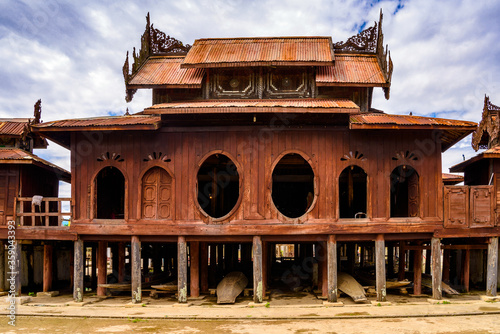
[110,190]
[218,185]
[404,192]
[352,193]
[293,186]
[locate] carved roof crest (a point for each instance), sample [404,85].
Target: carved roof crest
[487,133]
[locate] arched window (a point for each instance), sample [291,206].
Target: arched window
[293,185]
[352,192]
[218,185]
[404,192]
[156,194]
[110,194]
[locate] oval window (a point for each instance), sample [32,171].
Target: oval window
[293,186]
[218,185]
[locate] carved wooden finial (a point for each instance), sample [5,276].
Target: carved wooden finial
[127,113]
[38,111]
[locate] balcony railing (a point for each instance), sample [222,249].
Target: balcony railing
[48,213]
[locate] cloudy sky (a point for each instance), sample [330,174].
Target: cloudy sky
[70,54]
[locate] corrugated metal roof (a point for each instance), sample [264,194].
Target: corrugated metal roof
[229,52]
[166,72]
[109,121]
[406,120]
[262,106]
[16,155]
[351,69]
[12,127]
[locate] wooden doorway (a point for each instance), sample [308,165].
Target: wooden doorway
[156,194]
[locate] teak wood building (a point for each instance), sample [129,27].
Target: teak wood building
[251,143]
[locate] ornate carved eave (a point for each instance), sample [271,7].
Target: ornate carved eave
[371,40]
[153,42]
[487,133]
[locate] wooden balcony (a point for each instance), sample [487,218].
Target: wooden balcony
[48,213]
[469,206]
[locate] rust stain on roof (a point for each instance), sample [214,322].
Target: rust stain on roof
[227,106]
[109,121]
[352,69]
[229,52]
[12,127]
[406,120]
[167,72]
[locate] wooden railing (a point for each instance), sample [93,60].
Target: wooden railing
[469,206]
[48,213]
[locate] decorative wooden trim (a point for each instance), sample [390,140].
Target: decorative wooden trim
[489,124]
[107,156]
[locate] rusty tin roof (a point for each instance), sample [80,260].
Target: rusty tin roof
[128,122]
[264,51]
[13,127]
[352,69]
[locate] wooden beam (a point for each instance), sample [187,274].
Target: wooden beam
[135,259]
[257,270]
[47,267]
[437,292]
[79,271]
[380,268]
[332,268]
[101,267]
[121,262]
[204,267]
[194,252]
[492,268]
[417,271]
[182,269]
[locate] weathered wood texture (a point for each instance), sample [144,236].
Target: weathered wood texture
[204,267]
[102,273]
[182,269]
[469,206]
[332,268]
[135,259]
[255,153]
[380,268]
[194,252]
[492,268]
[17,268]
[417,272]
[257,270]
[437,291]
[47,267]
[79,268]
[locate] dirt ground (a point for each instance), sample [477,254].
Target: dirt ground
[443,325]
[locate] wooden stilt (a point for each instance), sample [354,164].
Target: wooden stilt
[79,267]
[446,265]
[17,267]
[380,268]
[466,266]
[194,286]
[417,272]
[265,266]
[121,262]
[390,260]
[436,268]
[101,267]
[402,260]
[324,269]
[332,268]
[47,267]
[257,270]
[492,268]
[182,269]
[204,267]
[135,259]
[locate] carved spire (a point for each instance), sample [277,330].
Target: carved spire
[487,133]
[153,42]
[37,112]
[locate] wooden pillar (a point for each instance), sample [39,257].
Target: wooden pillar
[79,268]
[265,266]
[101,267]
[428,260]
[446,265]
[466,269]
[390,260]
[194,251]
[204,267]
[417,272]
[402,260]
[17,267]
[3,277]
[332,268]
[380,268]
[94,267]
[492,268]
[436,268]
[182,269]
[121,262]
[47,267]
[257,270]
[135,267]
[324,268]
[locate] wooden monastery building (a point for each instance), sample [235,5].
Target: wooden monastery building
[264,155]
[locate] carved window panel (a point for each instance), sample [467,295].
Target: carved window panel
[234,83]
[468,206]
[456,203]
[481,204]
[287,82]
